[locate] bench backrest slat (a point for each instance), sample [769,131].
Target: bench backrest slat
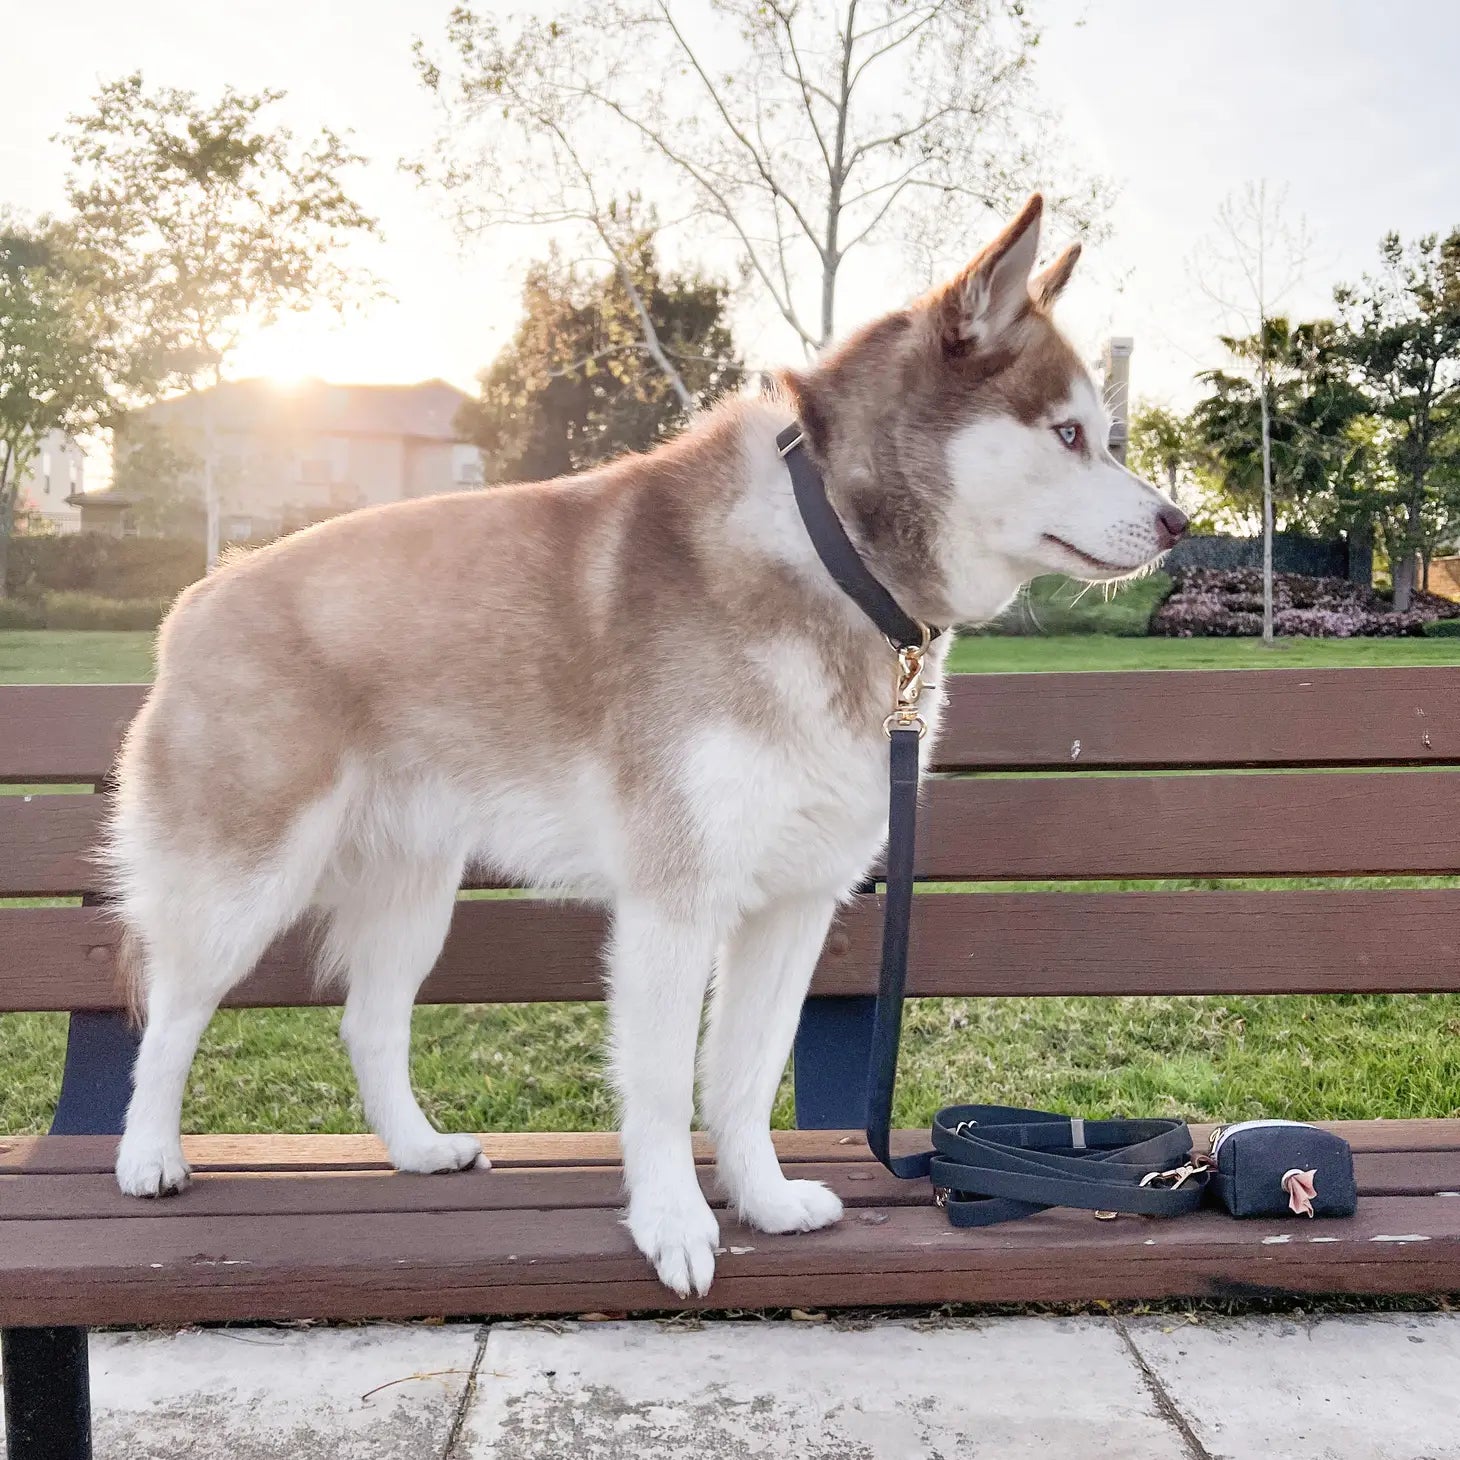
[1203,718]
[1350,941]
[1188,719]
[997,829]
[1022,818]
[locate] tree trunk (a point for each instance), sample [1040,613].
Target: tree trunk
[1266,501]
[1425,555]
[9,487]
[1403,572]
[1361,553]
[212,507]
[651,336]
[1411,542]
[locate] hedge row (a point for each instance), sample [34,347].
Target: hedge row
[108,567]
[82,611]
[1227,603]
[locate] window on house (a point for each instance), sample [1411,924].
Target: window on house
[466,465]
[46,471]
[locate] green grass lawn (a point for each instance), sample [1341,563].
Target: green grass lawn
[1075,652]
[64,656]
[538,1067]
[61,657]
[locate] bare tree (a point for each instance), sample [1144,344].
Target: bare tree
[802,131]
[1248,266]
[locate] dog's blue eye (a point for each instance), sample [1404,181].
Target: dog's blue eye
[1072,433]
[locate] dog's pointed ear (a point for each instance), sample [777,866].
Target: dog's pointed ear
[1048,286]
[993,291]
[810,411]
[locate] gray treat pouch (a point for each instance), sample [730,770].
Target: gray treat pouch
[1279,1168]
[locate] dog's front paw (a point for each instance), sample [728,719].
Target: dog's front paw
[791,1206]
[155,1170]
[440,1153]
[679,1238]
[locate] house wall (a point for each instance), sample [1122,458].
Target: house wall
[279,471]
[58,470]
[1445,577]
[377,467]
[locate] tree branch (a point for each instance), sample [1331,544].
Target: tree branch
[759,162]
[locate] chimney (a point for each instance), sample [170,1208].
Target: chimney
[1115,384]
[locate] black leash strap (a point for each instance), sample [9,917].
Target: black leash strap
[995,1163]
[989,1163]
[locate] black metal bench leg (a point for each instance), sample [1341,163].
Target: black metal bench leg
[47,1398]
[47,1394]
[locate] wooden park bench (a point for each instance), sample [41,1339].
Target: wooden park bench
[292,1227]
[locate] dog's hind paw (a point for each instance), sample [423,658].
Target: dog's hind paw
[793,1206]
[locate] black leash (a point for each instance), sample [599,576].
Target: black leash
[989,1163]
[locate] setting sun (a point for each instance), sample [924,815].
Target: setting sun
[379,344]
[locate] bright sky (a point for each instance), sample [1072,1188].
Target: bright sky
[1352,105]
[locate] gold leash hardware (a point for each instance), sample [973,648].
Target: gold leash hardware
[1178,1174]
[909,687]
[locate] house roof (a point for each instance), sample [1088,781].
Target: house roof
[105,498]
[426,410]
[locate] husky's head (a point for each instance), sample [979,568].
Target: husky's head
[964,442]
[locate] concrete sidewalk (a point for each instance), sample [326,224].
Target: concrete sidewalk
[1365,1388]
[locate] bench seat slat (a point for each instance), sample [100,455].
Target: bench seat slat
[1034,943]
[78,1197]
[192,1269]
[29,1196]
[509,1150]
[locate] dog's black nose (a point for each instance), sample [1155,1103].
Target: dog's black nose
[1170,524]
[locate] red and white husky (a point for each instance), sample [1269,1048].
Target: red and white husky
[639,685]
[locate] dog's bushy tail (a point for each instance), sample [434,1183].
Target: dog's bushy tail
[131,976]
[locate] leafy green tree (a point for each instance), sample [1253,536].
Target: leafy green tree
[53,375]
[155,471]
[577,384]
[1165,447]
[201,221]
[1159,446]
[1401,337]
[1315,459]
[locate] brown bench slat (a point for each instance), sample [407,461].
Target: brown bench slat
[46,844]
[30,1196]
[992,829]
[193,1269]
[1012,721]
[1237,717]
[1036,943]
[63,732]
[75,1197]
[508,1150]
[526,1149]
[1322,824]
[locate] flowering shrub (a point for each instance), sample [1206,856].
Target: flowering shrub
[1227,602]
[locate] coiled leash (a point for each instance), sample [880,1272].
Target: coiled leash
[989,1163]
